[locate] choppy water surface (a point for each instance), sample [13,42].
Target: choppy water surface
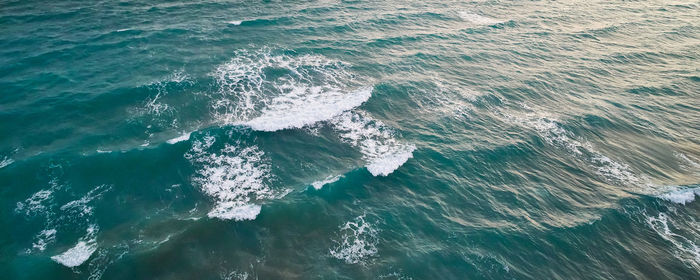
[350,140]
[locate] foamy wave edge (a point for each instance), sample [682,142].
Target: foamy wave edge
[310,111]
[679,194]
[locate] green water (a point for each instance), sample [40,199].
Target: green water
[350,140]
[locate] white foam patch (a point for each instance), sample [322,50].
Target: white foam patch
[235,22]
[478,19]
[380,149]
[680,195]
[75,256]
[305,106]
[183,137]
[385,165]
[81,252]
[234,177]
[357,241]
[272,91]
[685,248]
[330,179]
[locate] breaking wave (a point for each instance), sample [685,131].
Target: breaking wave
[380,149]
[271,91]
[236,177]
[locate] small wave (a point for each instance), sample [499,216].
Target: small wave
[235,177]
[183,137]
[680,195]
[685,248]
[357,241]
[44,238]
[6,161]
[235,22]
[478,19]
[382,152]
[554,134]
[81,252]
[330,179]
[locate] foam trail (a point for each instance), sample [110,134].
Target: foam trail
[382,152]
[685,248]
[358,240]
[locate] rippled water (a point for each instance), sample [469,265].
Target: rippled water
[350,140]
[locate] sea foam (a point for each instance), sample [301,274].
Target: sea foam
[680,195]
[235,177]
[380,149]
[357,240]
[271,91]
[305,106]
[82,250]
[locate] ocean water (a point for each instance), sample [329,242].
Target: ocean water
[350,139]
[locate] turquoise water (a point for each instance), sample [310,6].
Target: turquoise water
[350,140]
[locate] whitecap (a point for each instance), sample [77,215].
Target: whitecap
[75,256]
[81,252]
[680,195]
[386,164]
[304,106]
[233,210]
[357,240]
[235,178]
[235,22]
[183,137]
[272,91]
[330,179]
[380,149]
[478,19]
